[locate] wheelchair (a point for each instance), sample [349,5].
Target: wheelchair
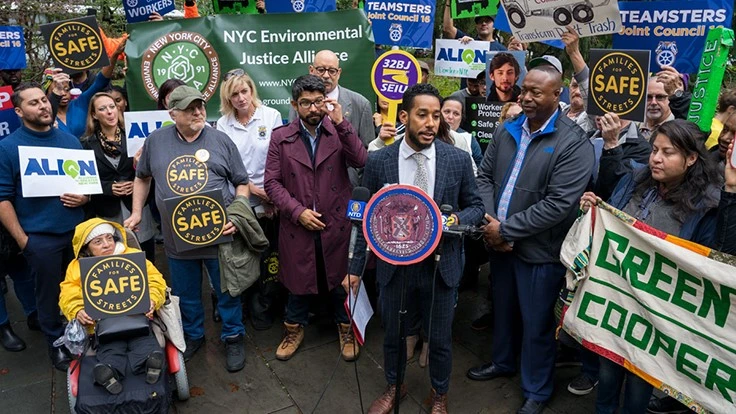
[137,396]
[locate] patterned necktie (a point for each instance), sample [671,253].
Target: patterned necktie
[420,175]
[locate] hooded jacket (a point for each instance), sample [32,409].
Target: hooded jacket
[240,264]
[71,301]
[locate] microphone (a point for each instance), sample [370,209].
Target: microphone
[355,212]
[452,228]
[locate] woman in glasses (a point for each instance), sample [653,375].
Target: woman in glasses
[249,124]
[105,135]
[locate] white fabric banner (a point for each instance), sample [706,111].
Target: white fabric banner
[662,310]
[452,58]
[537,20]
[48,171]
[140,124]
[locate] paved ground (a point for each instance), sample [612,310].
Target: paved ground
[28,384]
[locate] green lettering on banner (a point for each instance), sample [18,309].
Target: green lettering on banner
[724,385]
[681,287]
[273,48]
[658,275]
[663,342]
[582,311]
[621,244]
[681,361]
[642,342]
[632,269]
[710,75]
[606,322]
[721,304]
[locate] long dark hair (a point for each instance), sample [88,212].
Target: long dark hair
[695,192]
[166,88]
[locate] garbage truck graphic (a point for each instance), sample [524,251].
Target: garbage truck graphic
[563,14]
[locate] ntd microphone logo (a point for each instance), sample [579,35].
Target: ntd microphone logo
[71,168]
[356,209]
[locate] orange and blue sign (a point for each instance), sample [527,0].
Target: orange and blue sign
[402,225]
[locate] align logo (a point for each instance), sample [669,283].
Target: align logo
[84,172]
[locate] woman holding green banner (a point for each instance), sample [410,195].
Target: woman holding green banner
[677,193]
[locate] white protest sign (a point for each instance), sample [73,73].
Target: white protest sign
[537,20]
[452,58]
[662,307]
[48,171]
[139,125]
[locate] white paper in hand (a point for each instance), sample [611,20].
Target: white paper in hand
[362,314]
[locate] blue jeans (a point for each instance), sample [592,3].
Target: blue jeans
[23,287]
[186,283]
[636,391]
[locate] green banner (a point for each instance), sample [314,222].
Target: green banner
[274,49]
[712,69]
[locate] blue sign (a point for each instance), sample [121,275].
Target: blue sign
[407,23]
[12,48]
[300,6]
[139,10]
[674,31]
[9,121]
[356,209]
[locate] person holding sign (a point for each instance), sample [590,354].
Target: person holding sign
[42,226]
[94,238]
[105,135]
[187,159]
[677,193]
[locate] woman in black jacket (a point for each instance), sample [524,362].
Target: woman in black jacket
[105,135]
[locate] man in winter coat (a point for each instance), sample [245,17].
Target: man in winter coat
[307,179]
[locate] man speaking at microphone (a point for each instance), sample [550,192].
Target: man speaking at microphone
[307,180]
[445,173]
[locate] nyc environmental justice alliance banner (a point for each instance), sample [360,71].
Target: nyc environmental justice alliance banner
[661,306]
[274,49]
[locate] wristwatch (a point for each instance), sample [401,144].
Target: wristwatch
[678,93]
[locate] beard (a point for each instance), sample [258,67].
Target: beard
[415,140]
[39,122]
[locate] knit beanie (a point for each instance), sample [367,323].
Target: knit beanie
[99,230]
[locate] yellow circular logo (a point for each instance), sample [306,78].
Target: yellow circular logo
[617,83]
[115,285]
[76,45]
[198,220]
[187,175]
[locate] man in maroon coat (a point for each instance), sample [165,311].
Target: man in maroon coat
[307,180]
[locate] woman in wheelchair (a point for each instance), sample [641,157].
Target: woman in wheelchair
[97,237]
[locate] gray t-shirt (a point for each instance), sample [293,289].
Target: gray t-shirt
[181,168]
[461,94]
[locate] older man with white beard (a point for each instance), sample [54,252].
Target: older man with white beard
[658,108]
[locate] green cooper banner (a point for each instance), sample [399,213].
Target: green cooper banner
[274,49]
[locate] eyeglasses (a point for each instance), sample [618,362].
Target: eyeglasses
[321,70]
[197,107]
[110,107]
[100,240]
[306,104]
[234,72]
[658,98]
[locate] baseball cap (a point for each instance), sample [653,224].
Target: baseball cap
[182,96]
[483,17]
[546,60]
[423,65]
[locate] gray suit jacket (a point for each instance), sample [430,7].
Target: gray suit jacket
[357,110]
[454,185]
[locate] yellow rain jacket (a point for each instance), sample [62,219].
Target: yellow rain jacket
[71,301]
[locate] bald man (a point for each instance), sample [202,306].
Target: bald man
[531,179]
[355,108]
